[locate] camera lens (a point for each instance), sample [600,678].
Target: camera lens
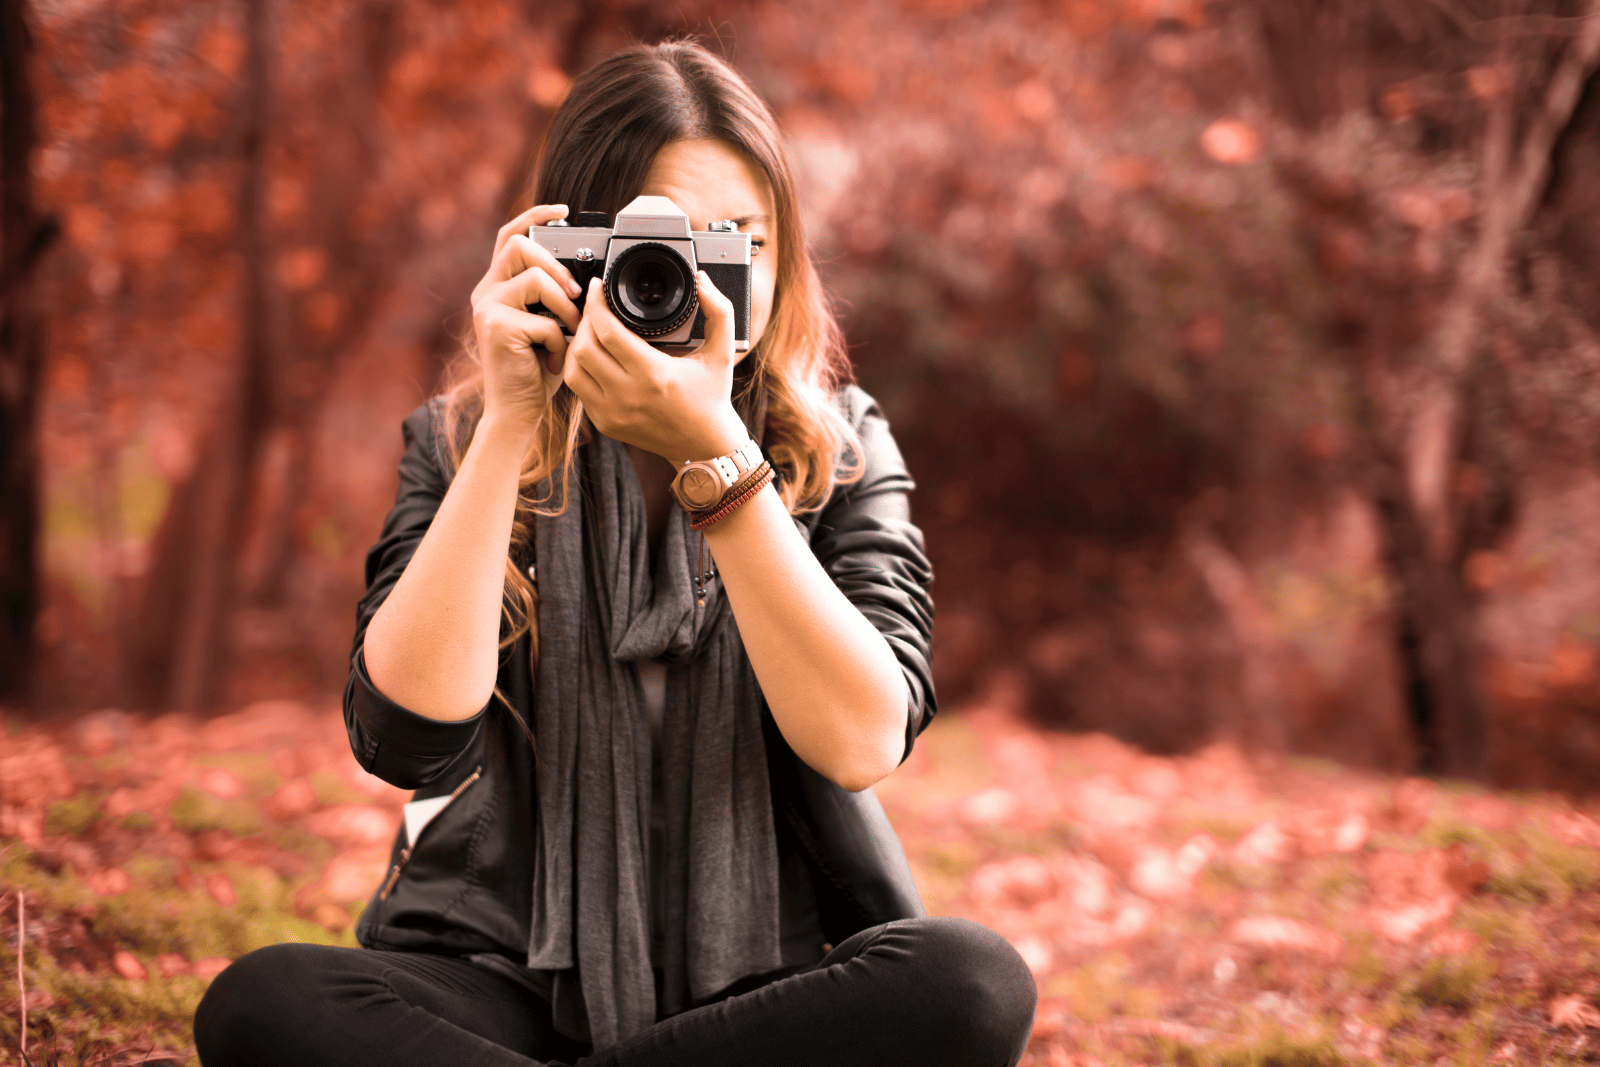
[651,289]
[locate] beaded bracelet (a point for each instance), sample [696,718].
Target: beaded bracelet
[753,483]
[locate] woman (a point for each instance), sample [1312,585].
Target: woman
[641,833]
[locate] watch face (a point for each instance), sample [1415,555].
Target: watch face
[698,489]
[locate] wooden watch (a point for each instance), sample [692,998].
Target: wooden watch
[701,484]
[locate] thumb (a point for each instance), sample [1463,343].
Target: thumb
[719,317]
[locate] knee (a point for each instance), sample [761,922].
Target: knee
[249,999]
[985,995]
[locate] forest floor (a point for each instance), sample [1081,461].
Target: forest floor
[1204,910]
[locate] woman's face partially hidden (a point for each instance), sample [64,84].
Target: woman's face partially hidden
[711,180]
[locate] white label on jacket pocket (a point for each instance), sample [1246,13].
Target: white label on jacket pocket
[420,813]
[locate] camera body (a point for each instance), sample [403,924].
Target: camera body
[647,262]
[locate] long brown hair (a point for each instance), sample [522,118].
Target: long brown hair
[597,153]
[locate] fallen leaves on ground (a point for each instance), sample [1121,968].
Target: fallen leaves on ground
[1574,1013]
[152,852]
[1212,909]
[1291,912]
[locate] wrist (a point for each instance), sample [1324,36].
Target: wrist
[499,435]
[725,435]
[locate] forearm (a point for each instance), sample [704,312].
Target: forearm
[834,686]
[432,646]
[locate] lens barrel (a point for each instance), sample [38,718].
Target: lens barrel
[650,287]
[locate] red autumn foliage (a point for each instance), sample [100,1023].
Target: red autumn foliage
[1176,292]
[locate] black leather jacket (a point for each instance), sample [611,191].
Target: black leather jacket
[465,886]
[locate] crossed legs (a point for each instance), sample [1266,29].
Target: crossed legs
[934,992]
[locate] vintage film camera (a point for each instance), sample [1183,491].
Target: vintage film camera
[647,261]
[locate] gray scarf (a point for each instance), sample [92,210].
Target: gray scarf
[601,609]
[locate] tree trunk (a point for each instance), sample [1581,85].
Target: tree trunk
[24,235]
[177,655]
[1422,527]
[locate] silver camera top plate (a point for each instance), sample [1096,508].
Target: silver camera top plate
[652,216]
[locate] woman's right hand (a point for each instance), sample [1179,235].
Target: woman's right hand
[433,645]
[517,382]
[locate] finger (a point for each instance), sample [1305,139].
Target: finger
[576,375]
[550,371]
[517,329]
[719,317]
[523,253]
[520,253]
[582,340]
[537,215]
[584,387]
[625,347]
[530,253]
[595,351]
[552,357]
[535,286]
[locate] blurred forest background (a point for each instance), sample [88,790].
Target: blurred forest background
[1246,352]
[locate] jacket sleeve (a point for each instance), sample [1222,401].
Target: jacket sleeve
[866,541]
[400,746]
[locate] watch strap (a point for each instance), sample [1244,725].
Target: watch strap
[744,459]
[736,464]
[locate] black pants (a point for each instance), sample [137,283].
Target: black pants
[928,992]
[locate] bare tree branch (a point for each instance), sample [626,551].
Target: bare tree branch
[1509,199]
[22,982]
[1423,530]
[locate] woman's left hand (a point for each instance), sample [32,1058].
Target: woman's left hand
[679,407]
[834,686]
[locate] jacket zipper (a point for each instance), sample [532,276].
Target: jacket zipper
[405,853]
